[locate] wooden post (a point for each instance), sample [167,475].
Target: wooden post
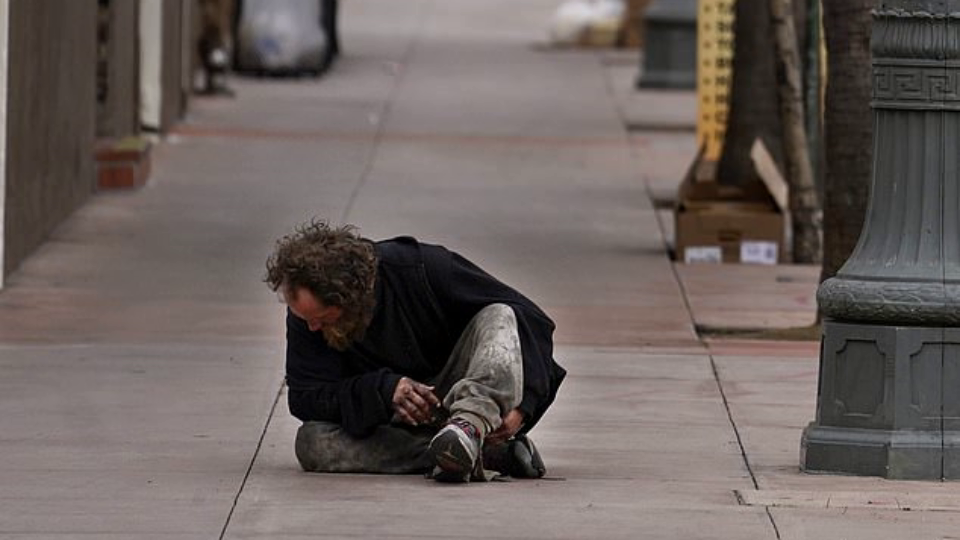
[804,203]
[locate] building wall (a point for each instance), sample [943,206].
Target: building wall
[4,48]
[151,63]
[119,114]
[51,118]
[174,97]
[163,99]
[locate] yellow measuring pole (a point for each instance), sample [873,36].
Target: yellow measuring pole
[714,73]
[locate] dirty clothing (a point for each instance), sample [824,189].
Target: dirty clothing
[483,377]
[426,296]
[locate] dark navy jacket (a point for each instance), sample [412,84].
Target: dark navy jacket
[426,296]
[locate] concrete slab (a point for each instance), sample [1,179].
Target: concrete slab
[762,297]
[141,357]
[194,241]
[610,462]
[646,109]
[114,516]
[666,157]
[861,524]
[878,500]
[794,480]
[771,398]
[595,520]
[723,346]
[96,535]
[646,363]
[610,504]
[129,439]
[534,239]
[769,367]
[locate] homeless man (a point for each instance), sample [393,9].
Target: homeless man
[405,357]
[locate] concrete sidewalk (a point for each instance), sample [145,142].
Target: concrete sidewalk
[141,359]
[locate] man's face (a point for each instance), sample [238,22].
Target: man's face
[305,305]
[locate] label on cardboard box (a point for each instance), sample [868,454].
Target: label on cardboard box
[702,254]
[758,252]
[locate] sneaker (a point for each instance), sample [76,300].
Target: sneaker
[455,450]
[517,457]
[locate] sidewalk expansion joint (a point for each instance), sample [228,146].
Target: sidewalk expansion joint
[383,117]
[253,461]
[719,383]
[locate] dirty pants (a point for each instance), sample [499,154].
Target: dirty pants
[482,381]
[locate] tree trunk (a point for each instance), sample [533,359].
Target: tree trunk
[804,202]
[812,80]
[848,128]
[754,109]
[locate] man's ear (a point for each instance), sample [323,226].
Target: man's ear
[335,312]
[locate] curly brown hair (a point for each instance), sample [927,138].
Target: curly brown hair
[334,263]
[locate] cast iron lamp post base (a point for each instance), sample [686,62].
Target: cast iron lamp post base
[889,398]
[884,409]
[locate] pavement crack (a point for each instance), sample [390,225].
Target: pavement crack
[736,432]
[253,461]
[773,522]
[713,367]
[733,423]
[723,394]
[383,116]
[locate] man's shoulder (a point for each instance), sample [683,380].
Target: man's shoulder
[404,250]
[398,242]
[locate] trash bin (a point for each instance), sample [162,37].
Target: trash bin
[670,56]
[282,37]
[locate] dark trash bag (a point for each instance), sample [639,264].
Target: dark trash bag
[282,36]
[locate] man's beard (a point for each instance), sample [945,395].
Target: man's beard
[345,332]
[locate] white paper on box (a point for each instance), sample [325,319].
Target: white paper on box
[758,252]
[702,254]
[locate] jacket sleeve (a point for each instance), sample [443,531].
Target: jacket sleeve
[465,289]
[322,387]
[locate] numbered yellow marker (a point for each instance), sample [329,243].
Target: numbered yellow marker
[714,73]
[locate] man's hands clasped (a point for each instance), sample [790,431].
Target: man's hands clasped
[414,402]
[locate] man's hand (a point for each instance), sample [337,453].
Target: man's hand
[414,402]
[512,423]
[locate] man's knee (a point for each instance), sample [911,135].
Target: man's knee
[499,311]
[496,317]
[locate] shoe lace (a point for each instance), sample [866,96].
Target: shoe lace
[467,428]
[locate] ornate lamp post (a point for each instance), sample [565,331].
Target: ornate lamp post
[889,398]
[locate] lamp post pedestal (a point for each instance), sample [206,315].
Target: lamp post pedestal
[889,397]
[888,404]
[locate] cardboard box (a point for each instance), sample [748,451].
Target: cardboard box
[730,233]
[716,223]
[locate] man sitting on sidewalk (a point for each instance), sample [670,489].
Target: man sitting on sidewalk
[406,357]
